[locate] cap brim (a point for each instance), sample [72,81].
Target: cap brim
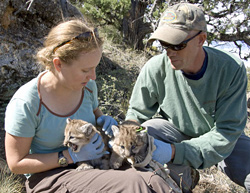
[169,35]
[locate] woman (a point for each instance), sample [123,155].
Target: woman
[36,118]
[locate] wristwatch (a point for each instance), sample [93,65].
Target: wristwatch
[63,162]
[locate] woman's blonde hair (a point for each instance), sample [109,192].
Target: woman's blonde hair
[61,42]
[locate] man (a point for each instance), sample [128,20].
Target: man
[200,93]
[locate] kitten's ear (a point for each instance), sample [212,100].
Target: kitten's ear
[87,128]
[141,129]
[142,133]
[68,120]
[115,130]
[143,136]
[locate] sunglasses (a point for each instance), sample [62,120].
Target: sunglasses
[87,36]
[178,47]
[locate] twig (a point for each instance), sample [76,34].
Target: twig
[21,8]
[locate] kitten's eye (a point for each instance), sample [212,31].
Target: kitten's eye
[71,137]
[133,147]
[122,147]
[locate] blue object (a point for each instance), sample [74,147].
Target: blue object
[93,150]
[106,122]
[163,152]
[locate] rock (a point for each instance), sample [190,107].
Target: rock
[23,25]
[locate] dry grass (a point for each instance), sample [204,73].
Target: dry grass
[10,183]
[214,181]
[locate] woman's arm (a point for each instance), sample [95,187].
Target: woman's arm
[21,162]
[97,113]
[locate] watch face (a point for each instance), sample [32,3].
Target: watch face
[63,161]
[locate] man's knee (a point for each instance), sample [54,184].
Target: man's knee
[164,130]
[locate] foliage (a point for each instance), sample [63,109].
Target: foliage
[112,34]
[104,12]
[228,21]
[116,75]
[114,96]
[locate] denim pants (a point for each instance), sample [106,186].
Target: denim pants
[236,166]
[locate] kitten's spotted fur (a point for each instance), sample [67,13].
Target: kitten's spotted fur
[128,144]
[77,134]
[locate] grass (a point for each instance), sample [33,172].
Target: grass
[10,183]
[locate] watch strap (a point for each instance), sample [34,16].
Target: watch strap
[62,160]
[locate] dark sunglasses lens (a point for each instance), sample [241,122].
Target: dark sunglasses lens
[87,35]
[96,32]
[178,47]
[84,35]
[174,47]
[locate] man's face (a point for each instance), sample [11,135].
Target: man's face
[188,59]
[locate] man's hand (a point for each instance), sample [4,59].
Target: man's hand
[163,152]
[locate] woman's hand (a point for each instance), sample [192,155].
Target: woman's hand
[93,150]
[106,122]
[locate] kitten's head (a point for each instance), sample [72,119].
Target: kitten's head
[77,134]
[129,140]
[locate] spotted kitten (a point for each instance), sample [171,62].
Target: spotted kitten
[129,144]
[77,134]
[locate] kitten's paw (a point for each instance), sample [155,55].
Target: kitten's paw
[116,165]
[84,167]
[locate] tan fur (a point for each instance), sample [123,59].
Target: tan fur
[77,134]
[128,144]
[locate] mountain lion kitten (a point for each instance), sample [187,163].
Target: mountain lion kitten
[77,134]
[132,143]
[129,144]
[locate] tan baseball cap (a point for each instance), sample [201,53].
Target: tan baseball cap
[177,21]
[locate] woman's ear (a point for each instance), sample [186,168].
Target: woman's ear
[57,64]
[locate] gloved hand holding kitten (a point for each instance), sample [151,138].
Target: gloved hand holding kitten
[163,152]
[90,151]
[106,122]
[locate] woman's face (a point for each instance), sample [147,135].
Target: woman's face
[76,75]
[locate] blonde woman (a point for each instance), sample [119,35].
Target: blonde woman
[36,118]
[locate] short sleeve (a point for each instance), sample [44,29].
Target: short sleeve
[20,118]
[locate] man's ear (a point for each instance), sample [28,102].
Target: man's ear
[202,38]
[57,64]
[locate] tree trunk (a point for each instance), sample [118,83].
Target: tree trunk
[134,29]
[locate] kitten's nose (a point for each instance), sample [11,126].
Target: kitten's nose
[128,153]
